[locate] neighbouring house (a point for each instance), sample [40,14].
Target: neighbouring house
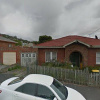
[77,50]
[12,54]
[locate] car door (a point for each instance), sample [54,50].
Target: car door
[25,92]
[44,93]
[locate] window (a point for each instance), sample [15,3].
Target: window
[45,92]
[26,55]
[15,81]
[98,58]
[60,89]
[34,55]
[51,56]
[28,88]
[10,45]
[30,55]
[22,55]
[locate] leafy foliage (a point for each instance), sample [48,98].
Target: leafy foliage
[14,68]
[14,38]
[19,43]
[44,38]
[59,64]
[90,68]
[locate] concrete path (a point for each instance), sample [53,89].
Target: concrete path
[90,93]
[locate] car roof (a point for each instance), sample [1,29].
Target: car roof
[39,79]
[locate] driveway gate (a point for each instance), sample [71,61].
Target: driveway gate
[27,58]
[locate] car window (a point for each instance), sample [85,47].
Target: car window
[15,81]
[60,89]
[44,92]
[28,88]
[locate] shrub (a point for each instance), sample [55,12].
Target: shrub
[9,69]
[59,64]
[90,68]
[14,68]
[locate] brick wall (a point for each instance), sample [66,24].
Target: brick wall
[92,56]
[4,44]
[41,54]
[88,54]
[77,48]
[24,50]
[18,51]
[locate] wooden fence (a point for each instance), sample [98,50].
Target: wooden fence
[81,77]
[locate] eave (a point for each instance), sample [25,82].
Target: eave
[48,47]
[75,41]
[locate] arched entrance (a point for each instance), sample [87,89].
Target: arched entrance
[76,58]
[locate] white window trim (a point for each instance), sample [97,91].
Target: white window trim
[50,55]
[97,57]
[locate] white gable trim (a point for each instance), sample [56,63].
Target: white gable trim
[75,41]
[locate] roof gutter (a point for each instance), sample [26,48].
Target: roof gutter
[75,41]
[97,46]
[48,47]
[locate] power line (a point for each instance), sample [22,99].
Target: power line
[94,31]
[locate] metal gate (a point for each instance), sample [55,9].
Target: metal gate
[27,58]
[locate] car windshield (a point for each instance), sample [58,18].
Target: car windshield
[60,89]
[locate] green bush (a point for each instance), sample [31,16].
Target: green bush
[14,68]
[90,68]
[9,69]
[59,64]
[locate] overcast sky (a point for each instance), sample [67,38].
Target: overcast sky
[28,19]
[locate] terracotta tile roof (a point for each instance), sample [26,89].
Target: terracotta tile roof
[68,39]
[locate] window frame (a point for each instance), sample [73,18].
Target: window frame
[97,56]
[51,56]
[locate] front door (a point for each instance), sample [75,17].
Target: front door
[76,58]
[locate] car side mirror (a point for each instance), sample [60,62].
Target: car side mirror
[55,98]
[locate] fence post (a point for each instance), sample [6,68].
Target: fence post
[75,76]
[99,78]
[28,69]
[87,77]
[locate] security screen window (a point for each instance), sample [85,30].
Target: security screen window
[51,56]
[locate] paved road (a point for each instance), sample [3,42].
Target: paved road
[3,77]
[90,93]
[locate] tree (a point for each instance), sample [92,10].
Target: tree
[19,43]
[44,38]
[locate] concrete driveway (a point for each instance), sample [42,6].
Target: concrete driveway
[90,93]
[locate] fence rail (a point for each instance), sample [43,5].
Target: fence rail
[68,75]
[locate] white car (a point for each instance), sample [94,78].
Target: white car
[37,87]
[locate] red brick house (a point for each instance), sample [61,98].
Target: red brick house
[78,50]
[12,54]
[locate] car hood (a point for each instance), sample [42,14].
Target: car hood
[74,95]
